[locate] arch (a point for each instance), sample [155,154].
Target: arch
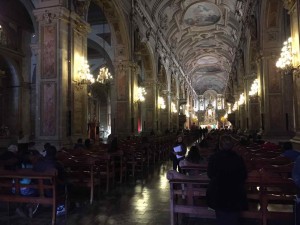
[108,44]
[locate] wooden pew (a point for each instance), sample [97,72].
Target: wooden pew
[81,172]
[42,182]
[193,168]
[264,189]
[187,195]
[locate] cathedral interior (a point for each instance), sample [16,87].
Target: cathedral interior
[73,69]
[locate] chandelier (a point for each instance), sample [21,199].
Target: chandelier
[285,62]
[254,88]
[235,106]
[85,76]
[173,107]
[140,96]
[241,99]
[161,103]
[104,75]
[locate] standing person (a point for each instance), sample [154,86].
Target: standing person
[296,178]
[178,153]
[226,193]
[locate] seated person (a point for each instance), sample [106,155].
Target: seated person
[10,158]
[194,155]
[50,162]
[79,144]
[113,145]
[87,143]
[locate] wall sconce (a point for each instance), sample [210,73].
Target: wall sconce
[285,61]
[161,102]
[254,88]
[85,76]
[229,110]
[234,107]
[104,75]
[140,96]
[187,114]
[173,107]
[241,99]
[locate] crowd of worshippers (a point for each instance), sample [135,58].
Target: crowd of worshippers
[20,157]
[227,172]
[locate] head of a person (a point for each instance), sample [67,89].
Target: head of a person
[226,143]
[87,143]
[13,149]
[51,152]
[179,138]
[46,145]
[194,152]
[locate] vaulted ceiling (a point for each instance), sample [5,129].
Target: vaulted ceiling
[204,36]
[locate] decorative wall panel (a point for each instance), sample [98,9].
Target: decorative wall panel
[48,56]
[276,118]
[48,109]
[274,77]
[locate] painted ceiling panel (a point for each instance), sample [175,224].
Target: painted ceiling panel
[204,35]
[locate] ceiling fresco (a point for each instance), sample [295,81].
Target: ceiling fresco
[203,35]
[201,14]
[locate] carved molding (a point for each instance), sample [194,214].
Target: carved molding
[288,4]
[81,7]
[51,15]
[124,65]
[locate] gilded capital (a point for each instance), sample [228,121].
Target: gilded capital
[288,4]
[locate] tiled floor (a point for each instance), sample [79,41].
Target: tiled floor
[141,202]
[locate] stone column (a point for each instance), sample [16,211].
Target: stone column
[150,106]
[122,112]
[293,7]
[61,102]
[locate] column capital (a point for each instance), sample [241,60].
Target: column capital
[81,7]
[126,64]
[50,15]
[288,4]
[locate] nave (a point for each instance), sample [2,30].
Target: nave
[138,201]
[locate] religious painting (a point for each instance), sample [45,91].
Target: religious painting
[48,109]
[149,120]
[207,60]
[48,56]
[121,116]
[255,119]
[202,14]
[121,84]
[78,111]
[276,117]
[272,13]
[274,77]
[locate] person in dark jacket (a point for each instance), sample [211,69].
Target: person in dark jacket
[226,193]
[50,162]
[178,153]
